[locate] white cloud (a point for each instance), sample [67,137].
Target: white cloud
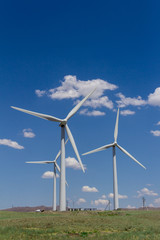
[155,133]
[154,98]
[89,189]
[158,123]
[127,112]
[126,101]
[28,133]
[72,88]
[130,207]
[92,113]
[73,163]
[157,201]
[149,184]
[10,143]
[49,174]
[40,93]
[104,196]
[100,202]
[146,191]
[111,195]
[122,196]
[150,205]
[81,200]
[99,102]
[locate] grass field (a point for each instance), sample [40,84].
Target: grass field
[126,225]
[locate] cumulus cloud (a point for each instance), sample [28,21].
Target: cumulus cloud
[155,133]
[122,196]
[100,202]
[89,189]
[73,88]
[73,163]
[130,207]
[127,112]
[146,191]
[158,123]
[150,205]
[104,196]
[157,201]
[154,98]
[92,113]
[49,174]
[28,133]
[10,143]
[99,102]
[40,93]
[81,200]
[126,101]
[111,195]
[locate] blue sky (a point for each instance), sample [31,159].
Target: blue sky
[52,54]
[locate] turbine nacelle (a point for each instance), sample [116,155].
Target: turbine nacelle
[63,123]
[114,144]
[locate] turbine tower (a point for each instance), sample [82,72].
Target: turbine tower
[64,126]
[114,145]
[55,166]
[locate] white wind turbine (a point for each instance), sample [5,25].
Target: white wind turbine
[63,125]
[55,166]
[114,145]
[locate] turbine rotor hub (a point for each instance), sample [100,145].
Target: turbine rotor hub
[63,123]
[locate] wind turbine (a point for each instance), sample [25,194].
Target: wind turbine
[63,125]
[55,166]
[114,145]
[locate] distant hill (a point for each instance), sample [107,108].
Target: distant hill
[27,209]
[44,208]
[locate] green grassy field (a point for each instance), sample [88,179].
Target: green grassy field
[126,225]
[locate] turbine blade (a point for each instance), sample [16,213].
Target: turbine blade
[99,149]
[67,184]
[116,127]
[75,109]
[59,153]
[66,140]
[41,162]
[40,115]
[123,150]
[59,170]
[74,146]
